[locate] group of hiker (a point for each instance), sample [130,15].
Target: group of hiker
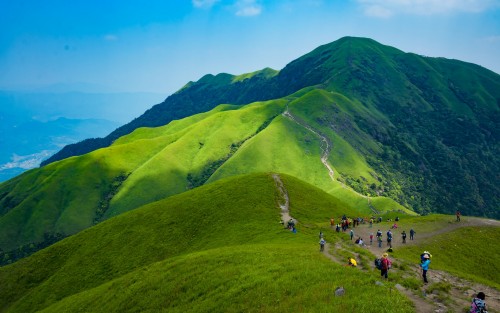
[383,263]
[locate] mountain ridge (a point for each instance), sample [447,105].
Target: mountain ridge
[403,130]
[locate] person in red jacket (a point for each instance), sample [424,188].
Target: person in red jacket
[386,265]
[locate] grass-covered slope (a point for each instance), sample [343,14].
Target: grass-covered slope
[65,197]
[217,247]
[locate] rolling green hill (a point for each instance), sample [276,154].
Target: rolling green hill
[221,247]
[378,128]
[218,247]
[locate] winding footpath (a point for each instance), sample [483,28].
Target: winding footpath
[284,202]
[461,290]
[326,148]
[325,145]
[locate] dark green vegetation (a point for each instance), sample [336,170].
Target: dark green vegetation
[219,247]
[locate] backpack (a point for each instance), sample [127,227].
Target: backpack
[378,263]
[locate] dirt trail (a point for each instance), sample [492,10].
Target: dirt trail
[284,202]
[461,291]
[325,144]
[326,148]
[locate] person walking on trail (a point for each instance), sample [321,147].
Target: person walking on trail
[352,233]
[389,238]
[478,305]
[412,233]
[371,238]
[403,235]
[322,243]
[332,222]
[379,239]
[320,234]
[458,215]
[425,266]
[386,265]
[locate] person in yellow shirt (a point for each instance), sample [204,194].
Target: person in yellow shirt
[351,262]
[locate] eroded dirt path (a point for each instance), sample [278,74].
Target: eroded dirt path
[455,300]
[284,201]
[461,291]
[325,144]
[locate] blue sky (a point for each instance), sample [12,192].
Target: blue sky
[158,46]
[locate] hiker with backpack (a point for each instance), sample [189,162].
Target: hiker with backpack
[425,266]
[478,305]
[352,234]
[389,238]
[403,234]
[383,264]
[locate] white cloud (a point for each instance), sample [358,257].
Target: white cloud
[378,11]
[248,8]
[26,162]
[204,4]
[386,8]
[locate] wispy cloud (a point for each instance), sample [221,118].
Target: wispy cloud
[110,37]
[204,4]
[26,162]
[493,39]
[248,8]
[387,8]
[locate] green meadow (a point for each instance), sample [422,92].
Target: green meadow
[217,247]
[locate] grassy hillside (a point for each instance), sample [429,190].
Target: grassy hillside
[195,252]
[402,130]
[154,163]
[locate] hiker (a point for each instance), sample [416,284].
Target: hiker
[389,238]
[422,256]
[371,222]
[337,228]
[361,242]
[351,262]
[371,238]
[322,244]
[320,234]
[403,234]
[425,266]
[352,234]
[458,215]
[394,226]
[379,239]
[412,233]
[478,305]
[332,222]
[386,265]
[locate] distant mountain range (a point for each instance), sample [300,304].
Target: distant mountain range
[379,129]
[36,125]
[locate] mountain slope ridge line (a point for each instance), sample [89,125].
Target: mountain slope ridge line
[325,153]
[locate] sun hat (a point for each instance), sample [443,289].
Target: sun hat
[385,255]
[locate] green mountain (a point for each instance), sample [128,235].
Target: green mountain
[378,128]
